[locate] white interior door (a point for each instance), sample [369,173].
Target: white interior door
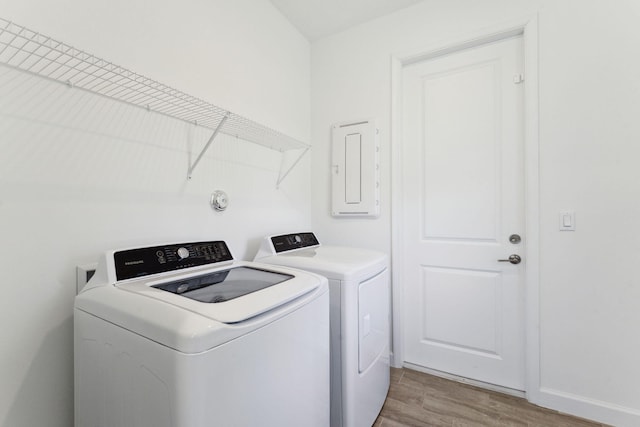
[462,183]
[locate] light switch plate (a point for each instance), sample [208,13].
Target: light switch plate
[567,221]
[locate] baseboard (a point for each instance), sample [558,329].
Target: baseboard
[592,409]
[486,386]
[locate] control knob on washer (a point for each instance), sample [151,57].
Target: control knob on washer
[183,253]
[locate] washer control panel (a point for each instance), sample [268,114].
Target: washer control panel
[288,242]
[160,259]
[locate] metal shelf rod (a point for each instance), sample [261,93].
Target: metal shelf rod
[206,147]
[284,175]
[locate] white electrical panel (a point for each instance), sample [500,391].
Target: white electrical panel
[355,168]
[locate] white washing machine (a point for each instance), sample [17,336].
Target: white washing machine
[360,301]
[182,336]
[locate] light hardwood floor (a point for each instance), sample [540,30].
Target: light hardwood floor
[418,399]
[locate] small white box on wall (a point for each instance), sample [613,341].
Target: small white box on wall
[355,177]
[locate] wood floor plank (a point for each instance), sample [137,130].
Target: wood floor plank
[411,415]
[408,394]
[417,399]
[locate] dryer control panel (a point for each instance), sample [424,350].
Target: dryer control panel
[288,242]
[140,262]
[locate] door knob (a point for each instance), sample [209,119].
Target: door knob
[513,259]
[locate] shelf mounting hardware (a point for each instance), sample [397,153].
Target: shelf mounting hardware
[282,175]
[206,147]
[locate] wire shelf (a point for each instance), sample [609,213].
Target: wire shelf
[32,52]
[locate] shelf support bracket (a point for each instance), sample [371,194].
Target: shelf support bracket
[293,165]
[206,147]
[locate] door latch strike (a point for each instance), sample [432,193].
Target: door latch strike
[518,78]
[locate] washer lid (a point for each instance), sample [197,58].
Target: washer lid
[191,326]
[333,262]
[227,295]
[224,285]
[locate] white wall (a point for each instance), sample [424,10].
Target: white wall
[589,133]
[81,174]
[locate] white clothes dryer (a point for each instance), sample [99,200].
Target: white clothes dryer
[360,320]
[181,335]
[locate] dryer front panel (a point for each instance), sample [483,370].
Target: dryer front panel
[373,319]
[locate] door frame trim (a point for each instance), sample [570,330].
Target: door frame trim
[528,29]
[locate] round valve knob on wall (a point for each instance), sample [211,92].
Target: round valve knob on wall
[219,200]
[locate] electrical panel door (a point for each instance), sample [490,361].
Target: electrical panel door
[355,169]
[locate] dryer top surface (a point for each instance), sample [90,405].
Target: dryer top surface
[333,262]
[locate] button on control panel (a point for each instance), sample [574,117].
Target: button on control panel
[183,253]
